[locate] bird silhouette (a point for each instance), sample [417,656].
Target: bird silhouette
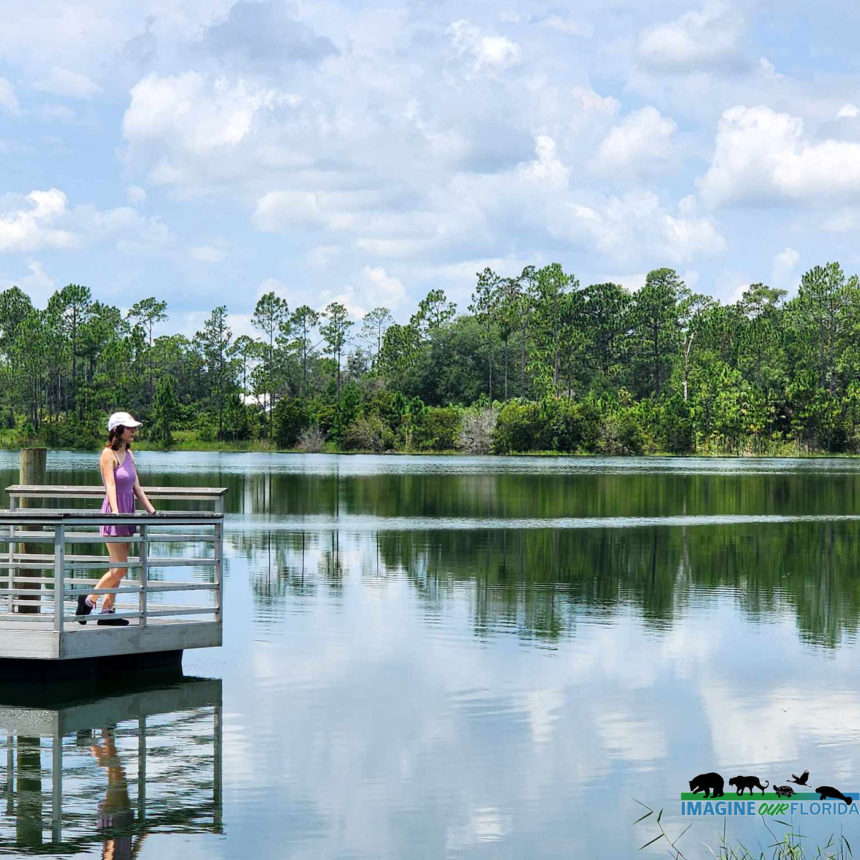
[800,780]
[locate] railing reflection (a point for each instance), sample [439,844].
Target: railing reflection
[110,769]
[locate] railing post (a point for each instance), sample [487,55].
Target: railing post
[219,560]
[10,573]
[59,583]
[143,554]
[31,471]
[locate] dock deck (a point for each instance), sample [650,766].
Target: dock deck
[49,556]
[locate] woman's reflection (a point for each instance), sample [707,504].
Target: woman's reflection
[116,818]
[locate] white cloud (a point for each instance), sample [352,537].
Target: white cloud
[706,38]
[207,254]
[136,195]
[784,264]
[64,82]
[373,288]
[642,140]
[180,118]
[569,26]
[278,211]
[26,223]
[8,99]
[487,53]
[57,113]
[768,70]
[43,219]
[38,285]
[591,103]
[762,156]
[848,111]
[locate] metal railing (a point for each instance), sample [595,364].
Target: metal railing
[39,586]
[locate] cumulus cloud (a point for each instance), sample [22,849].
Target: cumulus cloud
[591,104]
[44,219]
[762,156]
[708,38]
[27,223]
[176,122]
[848,111]
[486,53]
[643,140]
[209,114]
[260,34]
[64,82]
[8,99]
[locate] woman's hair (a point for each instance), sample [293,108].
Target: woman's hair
[115,436]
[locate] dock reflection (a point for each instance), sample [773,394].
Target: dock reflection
[83,767]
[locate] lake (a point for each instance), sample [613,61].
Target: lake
[478,657]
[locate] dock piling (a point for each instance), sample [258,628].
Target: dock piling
[31,469]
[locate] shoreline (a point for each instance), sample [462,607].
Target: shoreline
[258,448]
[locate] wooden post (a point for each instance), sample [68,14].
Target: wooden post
[31,471]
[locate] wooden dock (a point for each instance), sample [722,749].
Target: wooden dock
[51,555]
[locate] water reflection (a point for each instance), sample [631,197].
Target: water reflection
[537,582]
[109,768]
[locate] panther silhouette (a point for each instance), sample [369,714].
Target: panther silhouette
[750,782]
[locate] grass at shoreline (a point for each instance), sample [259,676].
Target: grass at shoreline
[185,440]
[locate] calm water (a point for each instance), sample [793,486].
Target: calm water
[428,657]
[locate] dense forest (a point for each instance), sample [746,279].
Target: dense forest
[536,363]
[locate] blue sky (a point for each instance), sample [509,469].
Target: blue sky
[207,151]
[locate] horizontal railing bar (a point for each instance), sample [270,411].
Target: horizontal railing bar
[158,613]
[181,586]
[48,537]
[181,610]
[80,516]
[52,491]
[94,537]
[72,593]
[22,561]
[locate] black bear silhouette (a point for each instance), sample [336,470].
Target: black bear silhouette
[750,782]
[708,782]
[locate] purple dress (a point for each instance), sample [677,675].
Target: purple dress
[124,476]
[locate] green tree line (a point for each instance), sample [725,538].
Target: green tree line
[535,363]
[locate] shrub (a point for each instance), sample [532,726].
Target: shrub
[438,428]
[311,440]
[289,417]
[517,427]
[367,433]
[476,433]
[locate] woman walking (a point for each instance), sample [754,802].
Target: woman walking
[121,488]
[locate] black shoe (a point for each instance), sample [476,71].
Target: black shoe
[84,608]
[112,622]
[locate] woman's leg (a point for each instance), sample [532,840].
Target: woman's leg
[118,553]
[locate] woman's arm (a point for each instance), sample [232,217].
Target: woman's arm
[106,464]
[139,493]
